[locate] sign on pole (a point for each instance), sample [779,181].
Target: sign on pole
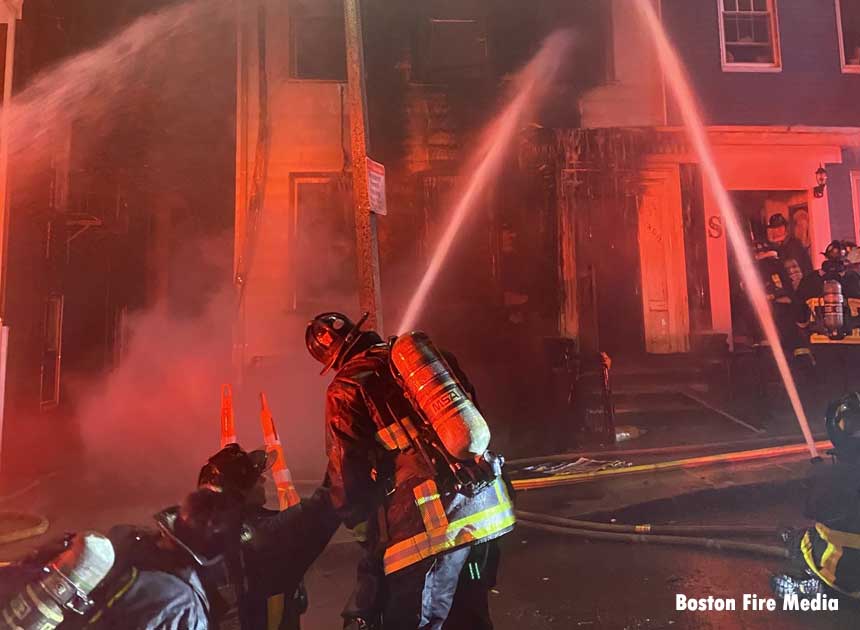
[376,186]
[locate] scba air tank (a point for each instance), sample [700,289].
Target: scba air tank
[434,391]
[834,307]
[64,586]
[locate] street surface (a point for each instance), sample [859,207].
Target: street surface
[549,582]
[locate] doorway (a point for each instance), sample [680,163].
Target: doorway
[755,209]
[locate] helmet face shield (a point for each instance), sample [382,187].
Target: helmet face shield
[329,336]
[205,525]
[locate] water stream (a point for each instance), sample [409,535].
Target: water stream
[529,88]
[679,86]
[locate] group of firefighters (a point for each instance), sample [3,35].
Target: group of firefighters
[408,472]
[816,311]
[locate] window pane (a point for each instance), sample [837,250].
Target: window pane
[761,30]
[455,49]
[850,14]
[745,30]
[731,28]
[730,5]
[319,48]
[749,53]
[325,244]
[747,34]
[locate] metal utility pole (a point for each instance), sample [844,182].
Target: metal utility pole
[13,10]
[13,14]
[367,249]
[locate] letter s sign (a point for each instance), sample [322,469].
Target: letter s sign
[715,227]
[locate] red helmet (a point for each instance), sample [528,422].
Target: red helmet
[330,336]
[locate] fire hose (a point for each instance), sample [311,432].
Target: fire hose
[685,541]
[692,462]
[688,530]
[15,526]
[660,450]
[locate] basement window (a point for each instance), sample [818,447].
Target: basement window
[749,35]
[451,50]
[848,25]
[318,48]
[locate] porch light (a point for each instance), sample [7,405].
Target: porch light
[821,178]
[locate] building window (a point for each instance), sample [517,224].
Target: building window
[848,24]
[318,48]
[323,243]
[855,199]
[52,344]
[749,35]
[451,50]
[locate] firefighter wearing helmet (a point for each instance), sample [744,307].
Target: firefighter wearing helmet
[213,562]
[826,557]
[408,463]
[829,317]
[150,579]
[780,294]
[278,546]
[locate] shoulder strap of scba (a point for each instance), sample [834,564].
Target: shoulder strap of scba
[396,424]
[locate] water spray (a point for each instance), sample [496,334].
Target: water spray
[531,85]
[680,86]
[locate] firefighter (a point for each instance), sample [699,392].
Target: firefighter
[828,309]
[780,293]
[213,562]
[787,247]
[389,475]
[283,544]
[135,578]
[779,289]
[826,557]
[813,289]
[853,258]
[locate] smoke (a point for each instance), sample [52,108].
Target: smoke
[484,167]
[148,425]
[154,59]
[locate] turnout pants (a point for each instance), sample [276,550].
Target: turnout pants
[425,595]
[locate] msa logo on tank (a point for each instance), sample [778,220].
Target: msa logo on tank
[444,400]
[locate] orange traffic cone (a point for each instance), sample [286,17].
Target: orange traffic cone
[287,495]
[228,420]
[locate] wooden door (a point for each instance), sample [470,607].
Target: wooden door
[663,264]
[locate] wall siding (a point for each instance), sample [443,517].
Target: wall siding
[810,90]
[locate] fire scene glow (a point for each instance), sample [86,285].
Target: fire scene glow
[531,86]
[680,87]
